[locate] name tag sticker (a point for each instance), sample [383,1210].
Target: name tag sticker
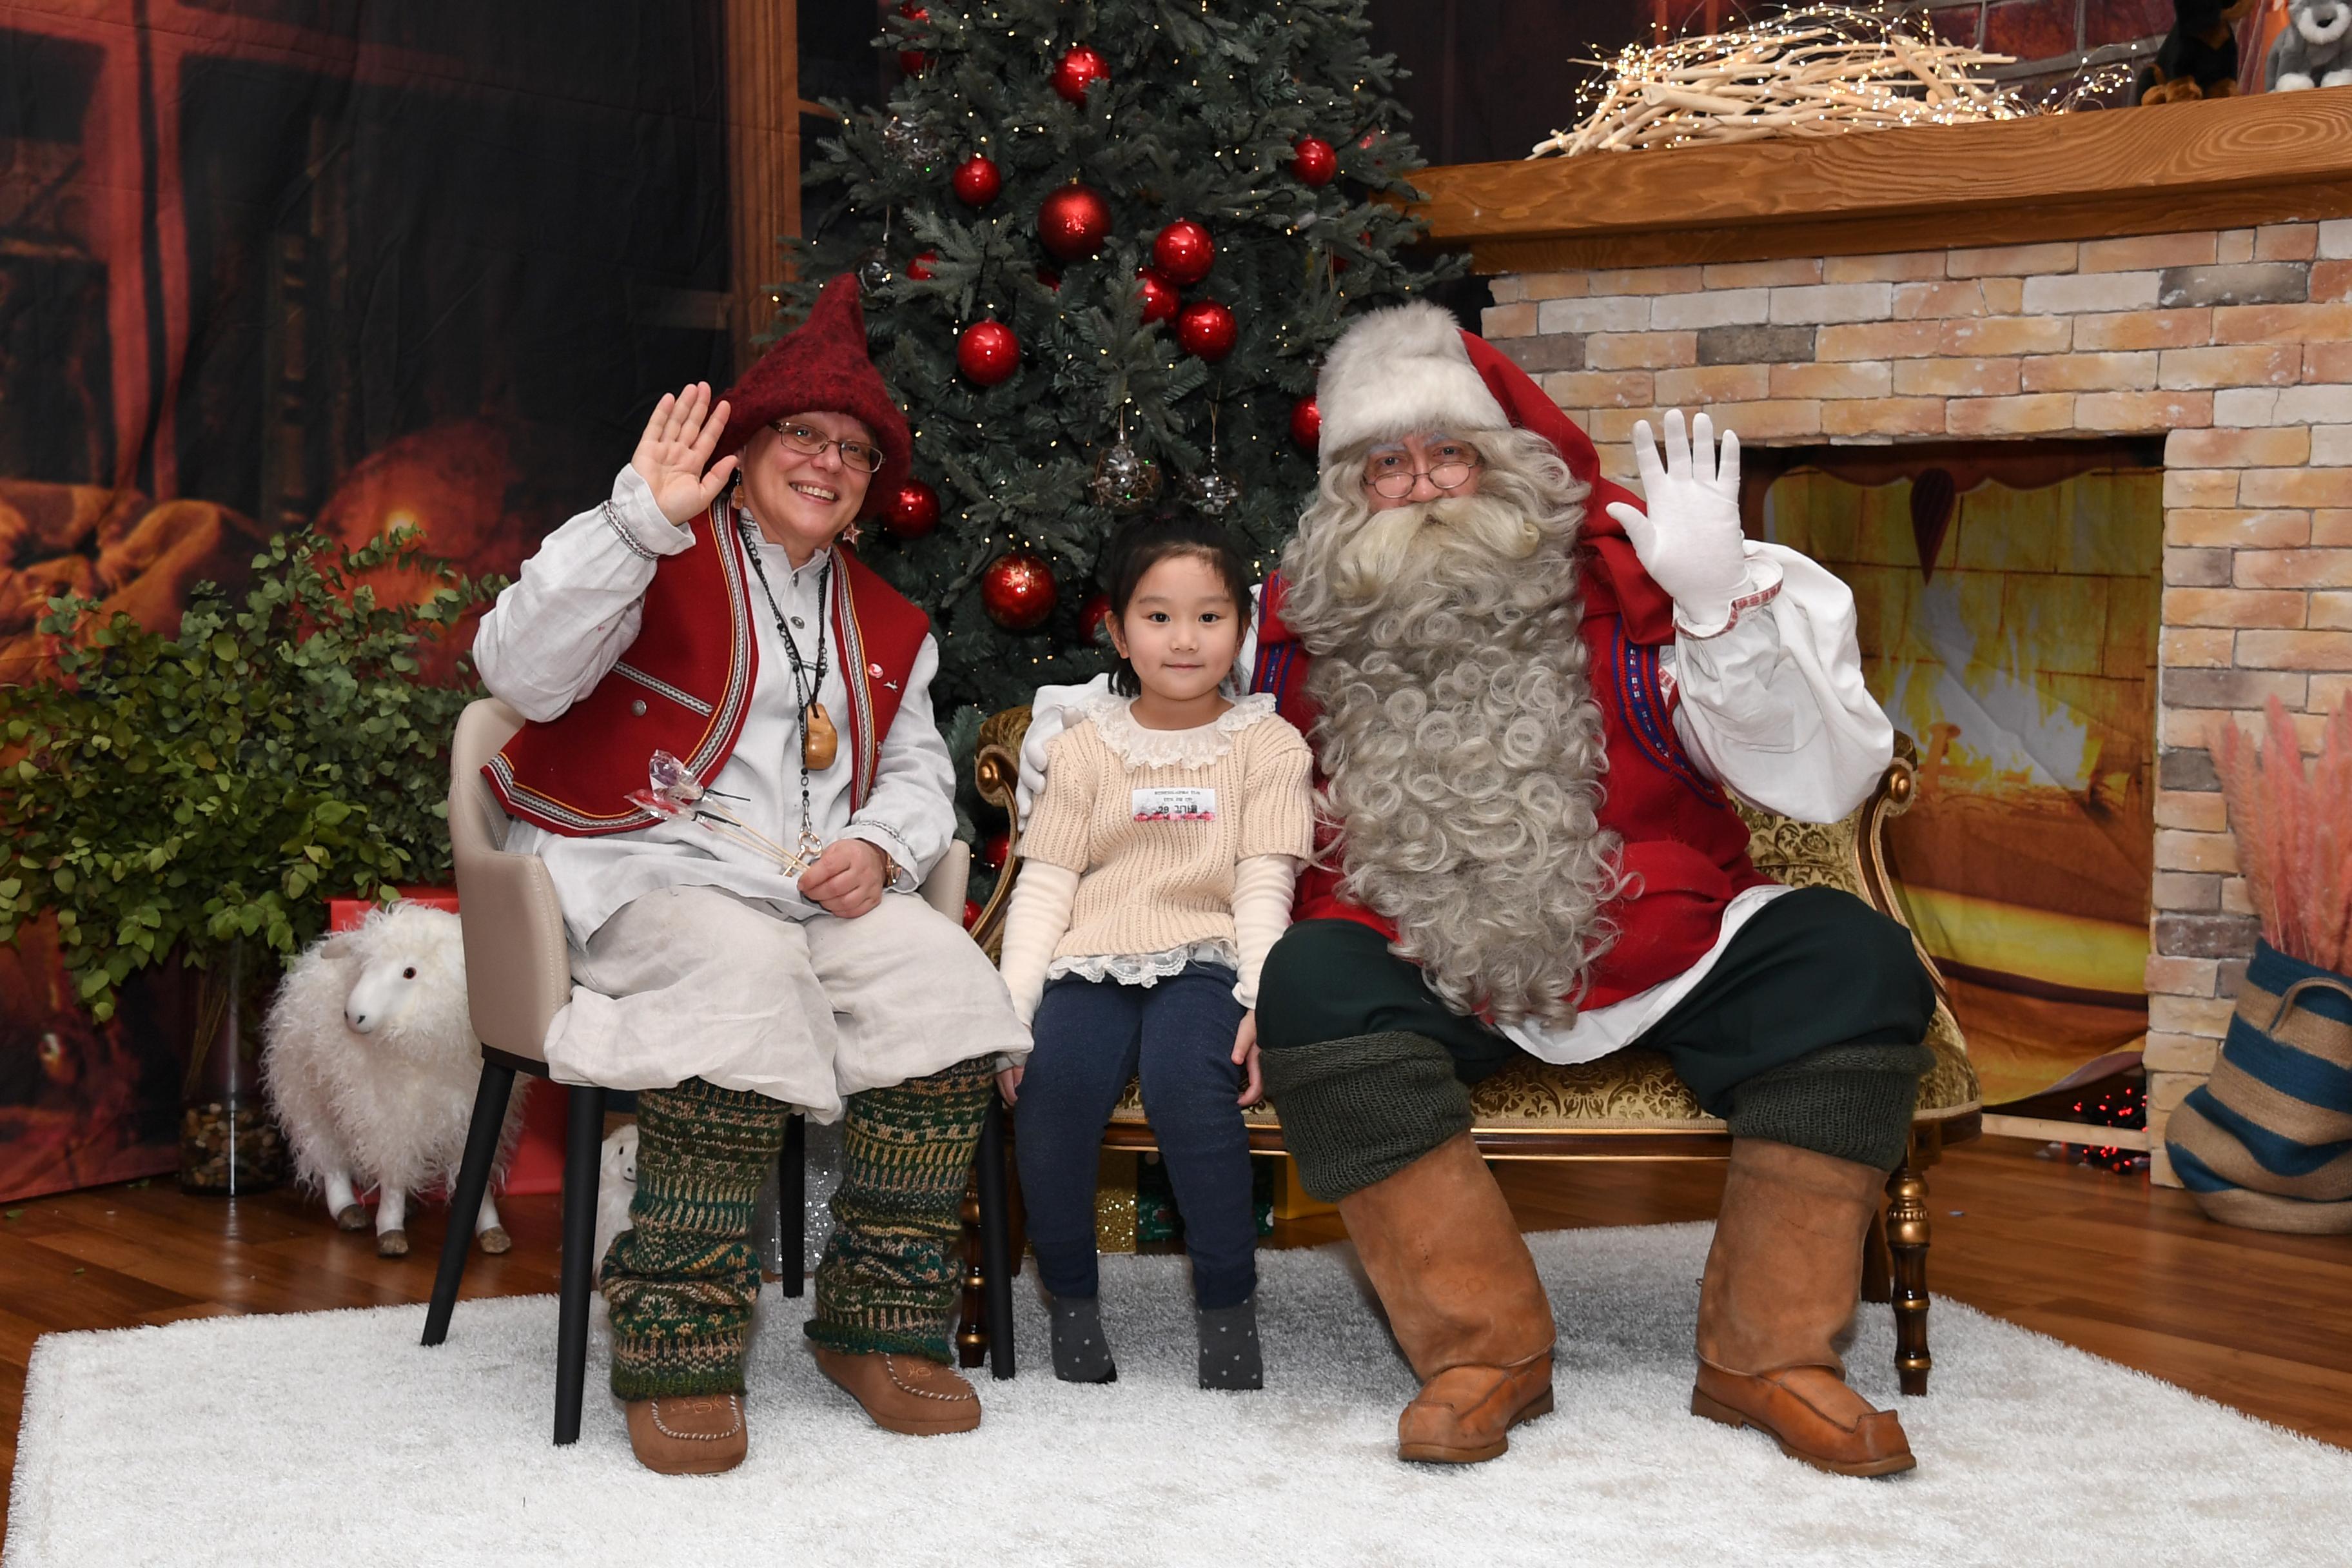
[1175,804]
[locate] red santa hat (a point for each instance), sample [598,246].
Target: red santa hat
[821,367]
[1399,371]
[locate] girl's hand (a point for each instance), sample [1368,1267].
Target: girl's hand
[1008,1084]
[1245,1058]
[676,444]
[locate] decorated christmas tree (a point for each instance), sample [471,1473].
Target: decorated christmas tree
[1104,246]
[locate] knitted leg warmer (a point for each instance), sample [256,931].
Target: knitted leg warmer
[680,1283]
[1851,1102]
[1356,1111]
[888,1278]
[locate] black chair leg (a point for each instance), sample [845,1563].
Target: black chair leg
[995,1240]
[583,1141]
[466,1203]
[791,1206]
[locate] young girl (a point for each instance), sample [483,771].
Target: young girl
[1159,864]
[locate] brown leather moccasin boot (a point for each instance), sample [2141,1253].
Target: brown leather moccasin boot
[1448,1263]
[1781,1279]
[1462,1414]
[692,1434]
[907,1394]
[1815,1404]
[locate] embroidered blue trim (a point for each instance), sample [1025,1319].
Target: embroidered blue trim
[1648,715]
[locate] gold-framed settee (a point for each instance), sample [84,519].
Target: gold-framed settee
[1628,1105]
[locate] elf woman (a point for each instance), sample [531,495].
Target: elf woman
[1159,867]
[744,930]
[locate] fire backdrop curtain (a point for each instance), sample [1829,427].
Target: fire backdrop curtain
[2007,598]
[270,261]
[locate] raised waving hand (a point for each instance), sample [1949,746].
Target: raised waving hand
[676,447]
[1687,530]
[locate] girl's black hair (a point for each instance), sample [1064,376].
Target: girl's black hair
[1147,542]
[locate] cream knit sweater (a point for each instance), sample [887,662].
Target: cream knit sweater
[1151,847]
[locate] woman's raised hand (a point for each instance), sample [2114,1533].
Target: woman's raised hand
[675,446]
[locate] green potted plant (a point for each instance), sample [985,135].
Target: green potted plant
[197,795]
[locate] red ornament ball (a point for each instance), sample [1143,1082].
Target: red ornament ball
[1313,161]
[913,511]
[1092,614]
[1307,422]
[919,268]
[1050,278]
[971,913]
[913,61]
[1074,222]
[1079,70]
[988,352]
[993,851]
[1206,328]
[1018,591]
[976,181]
[1183,253]
[1160,298]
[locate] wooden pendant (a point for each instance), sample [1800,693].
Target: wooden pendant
[819,740]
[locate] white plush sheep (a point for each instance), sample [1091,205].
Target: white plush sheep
[371,1058]
[617,1187]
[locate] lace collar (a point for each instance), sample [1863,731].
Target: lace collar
[1142,748]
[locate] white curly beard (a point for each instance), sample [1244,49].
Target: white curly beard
[1458,731]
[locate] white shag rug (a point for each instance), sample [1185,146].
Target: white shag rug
[334,1438]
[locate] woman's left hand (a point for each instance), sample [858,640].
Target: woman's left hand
[847,879]
[1245,1058]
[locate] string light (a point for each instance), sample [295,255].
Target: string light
[1815,71]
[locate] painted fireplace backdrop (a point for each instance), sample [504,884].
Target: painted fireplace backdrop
[265,262]
[2007,607]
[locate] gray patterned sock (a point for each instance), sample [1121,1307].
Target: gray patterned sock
[1081,1349]
[1229,1357]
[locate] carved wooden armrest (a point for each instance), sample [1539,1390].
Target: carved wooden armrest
[996,773]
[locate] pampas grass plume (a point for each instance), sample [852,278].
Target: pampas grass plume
[2294,827]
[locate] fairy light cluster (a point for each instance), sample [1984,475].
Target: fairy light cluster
[1811,71]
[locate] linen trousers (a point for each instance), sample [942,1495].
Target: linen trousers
[695,981]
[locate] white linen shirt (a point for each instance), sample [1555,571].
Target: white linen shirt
[575,610]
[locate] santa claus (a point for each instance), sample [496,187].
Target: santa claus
[1531,698]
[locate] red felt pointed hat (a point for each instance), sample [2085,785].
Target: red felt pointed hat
[821,366]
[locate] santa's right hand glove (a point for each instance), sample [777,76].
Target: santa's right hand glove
[1687,533]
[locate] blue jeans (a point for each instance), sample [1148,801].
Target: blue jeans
[1090,1038]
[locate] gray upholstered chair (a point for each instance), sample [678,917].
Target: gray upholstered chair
[518,973]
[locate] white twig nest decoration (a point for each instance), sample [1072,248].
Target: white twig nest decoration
[1818,71]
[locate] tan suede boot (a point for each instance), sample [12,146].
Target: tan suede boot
[1449,1264]
[689,1435]
[1781,1280]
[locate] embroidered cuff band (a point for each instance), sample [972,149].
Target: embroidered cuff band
[612,516]
[1753,598]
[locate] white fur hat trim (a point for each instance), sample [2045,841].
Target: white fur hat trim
[1399,371]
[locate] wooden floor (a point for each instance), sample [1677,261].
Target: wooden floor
[2100,1261]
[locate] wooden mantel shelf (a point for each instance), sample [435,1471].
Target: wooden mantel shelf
[2224,163]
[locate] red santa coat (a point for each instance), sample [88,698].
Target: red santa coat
[1683,847]
[685,686]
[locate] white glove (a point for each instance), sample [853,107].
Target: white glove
[1050,712]
[1689,542]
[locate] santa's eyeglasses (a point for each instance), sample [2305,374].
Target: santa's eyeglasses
[809,442]
[1391,476]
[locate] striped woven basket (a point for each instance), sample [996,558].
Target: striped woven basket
[2266,1143]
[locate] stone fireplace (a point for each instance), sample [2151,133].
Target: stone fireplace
[2179,276]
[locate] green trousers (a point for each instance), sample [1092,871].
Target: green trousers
[682,1281]
[1807,1030]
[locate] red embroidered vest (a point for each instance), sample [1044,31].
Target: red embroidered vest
[1683,843]
[685,686]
